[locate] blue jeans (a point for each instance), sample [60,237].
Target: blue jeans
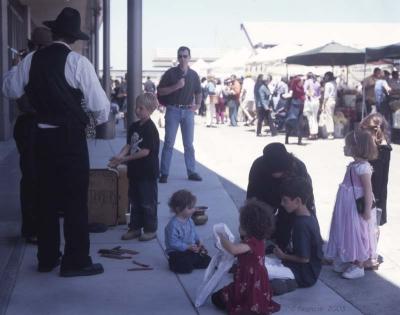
[173,118]
[143,196]
[232,106]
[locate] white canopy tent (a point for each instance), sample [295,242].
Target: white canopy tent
[201,67]
[277,53]
[233,62]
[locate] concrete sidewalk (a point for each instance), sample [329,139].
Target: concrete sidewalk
[225,155]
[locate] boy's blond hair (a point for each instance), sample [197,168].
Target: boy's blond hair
[148,100]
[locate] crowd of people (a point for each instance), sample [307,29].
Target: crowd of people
[279,217]
[302,105]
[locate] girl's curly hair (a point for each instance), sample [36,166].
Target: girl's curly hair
[257,219]
[378,126]
[180,200]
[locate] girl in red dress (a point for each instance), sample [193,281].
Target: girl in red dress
[249,293]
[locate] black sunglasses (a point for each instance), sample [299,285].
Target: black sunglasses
[183,56]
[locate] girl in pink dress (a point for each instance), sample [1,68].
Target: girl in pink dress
[352,238]
[250,291]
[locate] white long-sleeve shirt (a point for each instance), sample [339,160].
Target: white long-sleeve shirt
[79,73]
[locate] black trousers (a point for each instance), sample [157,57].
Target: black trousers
[143,195]
[63,179]
[294,127]
[263,114]
[185,262]
[25,135]
[380,178]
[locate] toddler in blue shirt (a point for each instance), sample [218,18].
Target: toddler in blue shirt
[183,246]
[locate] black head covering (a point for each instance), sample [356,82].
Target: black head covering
[276,157]
[68,22]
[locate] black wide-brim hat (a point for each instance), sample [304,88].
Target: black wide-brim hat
[68,22]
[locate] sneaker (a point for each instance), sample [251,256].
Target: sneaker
[195,177]
[163,179]
[339,266]
[93,269]
[331,137]
[131,234]
[353,272]
[147,236]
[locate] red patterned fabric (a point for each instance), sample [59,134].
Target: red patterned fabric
[250,289]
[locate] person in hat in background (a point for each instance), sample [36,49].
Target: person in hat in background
[266,175]
[24,135]
[55,80]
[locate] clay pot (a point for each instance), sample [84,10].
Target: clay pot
[200,217]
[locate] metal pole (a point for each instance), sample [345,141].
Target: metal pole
[96,40]
[134,79]
[363,90]
[5,125]
[106,48]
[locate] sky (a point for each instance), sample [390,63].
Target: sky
[216,23]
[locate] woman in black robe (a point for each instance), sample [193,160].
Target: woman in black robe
[265,178]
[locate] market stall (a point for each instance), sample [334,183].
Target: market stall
[335,54]
[382,53]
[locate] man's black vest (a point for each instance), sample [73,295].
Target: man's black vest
[55,101]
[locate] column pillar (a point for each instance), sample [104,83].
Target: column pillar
[106,47]
[5,125]
[134,81]
[96,40]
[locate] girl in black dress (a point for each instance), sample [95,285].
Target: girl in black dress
[377,125]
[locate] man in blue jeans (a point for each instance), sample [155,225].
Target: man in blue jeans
[180,91]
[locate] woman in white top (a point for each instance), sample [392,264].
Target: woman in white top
[329,103]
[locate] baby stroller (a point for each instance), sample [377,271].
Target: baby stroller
[279,118]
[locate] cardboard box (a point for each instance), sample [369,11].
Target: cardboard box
[103,196]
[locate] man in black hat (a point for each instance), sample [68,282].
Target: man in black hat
[55,79]
[265,178]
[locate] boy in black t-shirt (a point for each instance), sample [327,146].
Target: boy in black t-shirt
[304,256]
[141,155]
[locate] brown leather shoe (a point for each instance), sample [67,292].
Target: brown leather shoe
[131,234]
[147,236]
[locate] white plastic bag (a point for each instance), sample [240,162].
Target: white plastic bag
[276,270]
[219,265]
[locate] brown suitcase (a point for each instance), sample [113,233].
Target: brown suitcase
[103,196]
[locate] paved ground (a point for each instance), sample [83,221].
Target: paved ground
[224,155]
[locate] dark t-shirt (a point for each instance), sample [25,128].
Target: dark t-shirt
[144,137]
[183,96]
[306,243]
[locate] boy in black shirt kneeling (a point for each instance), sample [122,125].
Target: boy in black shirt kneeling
[304,256]
[141,155]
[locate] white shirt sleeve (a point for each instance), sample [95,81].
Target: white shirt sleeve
[80,74]
[15,80]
